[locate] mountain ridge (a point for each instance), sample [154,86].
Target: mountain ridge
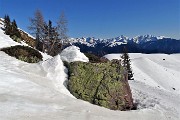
[138,44]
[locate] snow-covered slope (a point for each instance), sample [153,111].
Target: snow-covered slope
[27,93]
[38,91]
[157,82]
[6,41]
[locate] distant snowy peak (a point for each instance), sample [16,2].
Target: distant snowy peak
[161,37]
[92,41]
[146,38]
[111,42]
[117,41]
[142,39]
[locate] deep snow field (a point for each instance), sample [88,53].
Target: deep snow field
[157,83]
[38,91]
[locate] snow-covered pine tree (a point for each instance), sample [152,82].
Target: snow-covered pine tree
[126,63]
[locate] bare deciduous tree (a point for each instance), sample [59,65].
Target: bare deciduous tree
[62,28]
[36,26]
[50,39]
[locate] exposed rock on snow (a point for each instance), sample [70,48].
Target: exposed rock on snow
[103,84]
[27,38]
[72,53]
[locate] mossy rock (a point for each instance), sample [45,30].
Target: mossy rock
[23,53]
[103,84]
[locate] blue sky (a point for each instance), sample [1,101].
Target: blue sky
[102,18]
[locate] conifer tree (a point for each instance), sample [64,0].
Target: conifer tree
[126,63]
[11,28]
[7,25]
[51,36]
[14,30]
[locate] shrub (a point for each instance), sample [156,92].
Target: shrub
[95,59]
[23,53]
[16,39]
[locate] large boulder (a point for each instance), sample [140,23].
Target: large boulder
[103,84]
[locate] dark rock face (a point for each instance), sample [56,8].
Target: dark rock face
[29,40]
[103,84]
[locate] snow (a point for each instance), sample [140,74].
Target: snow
[112,42]
[38,91]
[6,41]
[72,53]
[28,92]
[157,84]
[57,73]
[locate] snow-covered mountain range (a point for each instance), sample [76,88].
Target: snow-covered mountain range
[138,44]
[111,42]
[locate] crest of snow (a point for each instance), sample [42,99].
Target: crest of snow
[72,53]
[57,73]
[160,37]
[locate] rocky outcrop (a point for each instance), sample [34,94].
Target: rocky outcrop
[28,39]
[103,84]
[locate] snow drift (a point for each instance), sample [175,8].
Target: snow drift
[72,53]
[57,73]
